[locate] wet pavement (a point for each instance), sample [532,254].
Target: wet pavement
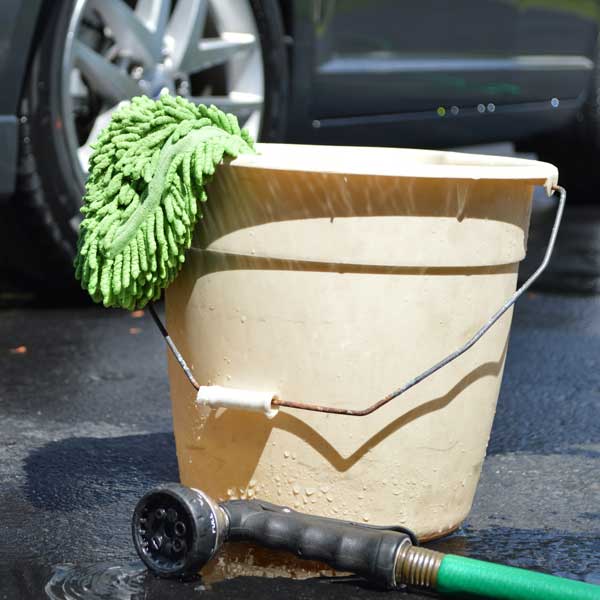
[86,427]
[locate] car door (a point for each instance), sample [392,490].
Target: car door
[556,45]
[396,56]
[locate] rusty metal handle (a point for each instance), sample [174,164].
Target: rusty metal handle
[279,402]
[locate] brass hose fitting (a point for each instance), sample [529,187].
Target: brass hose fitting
[417,566]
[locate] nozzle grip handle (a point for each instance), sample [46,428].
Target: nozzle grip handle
[345,546]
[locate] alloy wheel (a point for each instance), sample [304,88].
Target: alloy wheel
[205,50]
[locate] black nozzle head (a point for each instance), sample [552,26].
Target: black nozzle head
[176,530]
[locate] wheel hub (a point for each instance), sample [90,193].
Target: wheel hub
[158,81]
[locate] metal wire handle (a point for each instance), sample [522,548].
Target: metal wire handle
[279,402]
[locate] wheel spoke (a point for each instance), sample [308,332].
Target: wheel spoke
[104,77]
[129,31]
[238,103]
[184,31]
[102,120]
[138,47]
[211,52]
[154,14]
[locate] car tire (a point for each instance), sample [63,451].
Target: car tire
[50,188]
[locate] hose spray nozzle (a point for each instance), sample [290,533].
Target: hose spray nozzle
[177,530]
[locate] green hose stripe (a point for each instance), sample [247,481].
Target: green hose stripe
[156,187]
[469,576]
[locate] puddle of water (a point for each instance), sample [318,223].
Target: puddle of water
[110,581]
[97,582]
[562,554]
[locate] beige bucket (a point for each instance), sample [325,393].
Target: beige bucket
[333,275]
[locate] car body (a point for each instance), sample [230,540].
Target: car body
[435,73]
[416,73]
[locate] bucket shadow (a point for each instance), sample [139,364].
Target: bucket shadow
[85,473]
[301,429]
[260,427]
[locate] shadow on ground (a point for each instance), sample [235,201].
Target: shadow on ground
[84,472]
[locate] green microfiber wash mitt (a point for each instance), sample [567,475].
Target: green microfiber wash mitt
[147,174]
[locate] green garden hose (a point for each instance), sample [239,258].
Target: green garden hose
[449,574]
[459,575]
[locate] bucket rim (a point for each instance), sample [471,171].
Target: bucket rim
[397,162]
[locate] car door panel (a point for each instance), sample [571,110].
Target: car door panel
[558,40]
[390,56]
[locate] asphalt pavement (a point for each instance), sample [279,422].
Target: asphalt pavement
[85,429]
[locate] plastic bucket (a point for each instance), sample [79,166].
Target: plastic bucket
[333,275]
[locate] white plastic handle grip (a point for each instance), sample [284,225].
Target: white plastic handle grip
[216,396]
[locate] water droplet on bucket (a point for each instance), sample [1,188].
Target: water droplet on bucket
[243,318]
[286,454]
[310,491]
[366,517]
[329,498]
[211,307]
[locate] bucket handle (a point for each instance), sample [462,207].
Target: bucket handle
[277,402]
